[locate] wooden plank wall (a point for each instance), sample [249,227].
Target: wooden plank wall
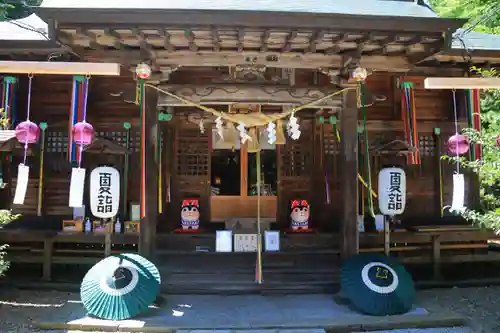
[317,147]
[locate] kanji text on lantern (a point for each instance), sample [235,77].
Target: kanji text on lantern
[104,197]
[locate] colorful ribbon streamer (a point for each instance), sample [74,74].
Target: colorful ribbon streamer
[474,120]
[78,108]
[9,99]
[409,117]
[142,105]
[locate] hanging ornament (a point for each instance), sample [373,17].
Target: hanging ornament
[458,200]
[244,137]
[83,133]
[359,74]
[218,127]
[271,133]
[26,132]
[293,127]
[143,71]
[202,126]
[458,144]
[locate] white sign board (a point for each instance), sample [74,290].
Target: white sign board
[245,243]
[272,240]
[104,192]
[392,191]
[224,241]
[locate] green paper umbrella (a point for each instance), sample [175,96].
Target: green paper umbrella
[120,287]
[377,285]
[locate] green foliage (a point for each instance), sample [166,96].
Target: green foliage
[17,9]
[489,168]
[471,9]
[6,216]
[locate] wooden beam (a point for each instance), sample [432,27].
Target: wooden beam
[269,59]
[350,198]
[462,83]
[59,68]
[149,125]
[220,94]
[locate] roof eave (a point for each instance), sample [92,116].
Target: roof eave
[257,19]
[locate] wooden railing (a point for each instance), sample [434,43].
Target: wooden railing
[422,247]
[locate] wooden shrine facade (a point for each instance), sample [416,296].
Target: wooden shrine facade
[230,60]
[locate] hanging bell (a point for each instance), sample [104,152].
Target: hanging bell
[27,132]
[83,133]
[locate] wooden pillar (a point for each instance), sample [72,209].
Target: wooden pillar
[349,153]
[149,173]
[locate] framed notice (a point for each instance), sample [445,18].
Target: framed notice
[135,212]
[224,241]
[272,241]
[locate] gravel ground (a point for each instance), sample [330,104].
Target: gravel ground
[20,310]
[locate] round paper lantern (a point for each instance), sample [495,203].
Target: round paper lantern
[143,71]
[458,144]
[27,132]
[359,74]
[83,133]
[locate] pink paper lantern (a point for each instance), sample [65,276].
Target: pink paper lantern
[27,132]
[83,133]
[458,144]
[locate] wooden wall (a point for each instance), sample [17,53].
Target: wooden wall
[304,166]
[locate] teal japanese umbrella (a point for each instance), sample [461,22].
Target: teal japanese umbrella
[120,287]
[377,285]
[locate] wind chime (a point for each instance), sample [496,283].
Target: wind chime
[458,144]
[81,134]
[27,133]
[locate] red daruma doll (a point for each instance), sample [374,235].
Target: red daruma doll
[299,215]
[190,214]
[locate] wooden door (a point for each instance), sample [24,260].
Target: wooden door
[244,204]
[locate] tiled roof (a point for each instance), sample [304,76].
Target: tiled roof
[354,7]
[475,41]
[13,30]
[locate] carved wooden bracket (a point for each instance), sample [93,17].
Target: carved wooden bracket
[166,72]
[219,94]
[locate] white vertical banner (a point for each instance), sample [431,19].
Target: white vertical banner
[23,175]
[392,191]
[457,203]
[76,187]
[104,192]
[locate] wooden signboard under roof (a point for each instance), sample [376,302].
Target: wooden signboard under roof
[462,83]
[60,68]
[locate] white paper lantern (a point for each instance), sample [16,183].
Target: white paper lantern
[104,192]
[392,191]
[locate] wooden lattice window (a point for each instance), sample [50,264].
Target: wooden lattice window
[296,157]
[330,141]
[192,153]
[57,142]
[427,145]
